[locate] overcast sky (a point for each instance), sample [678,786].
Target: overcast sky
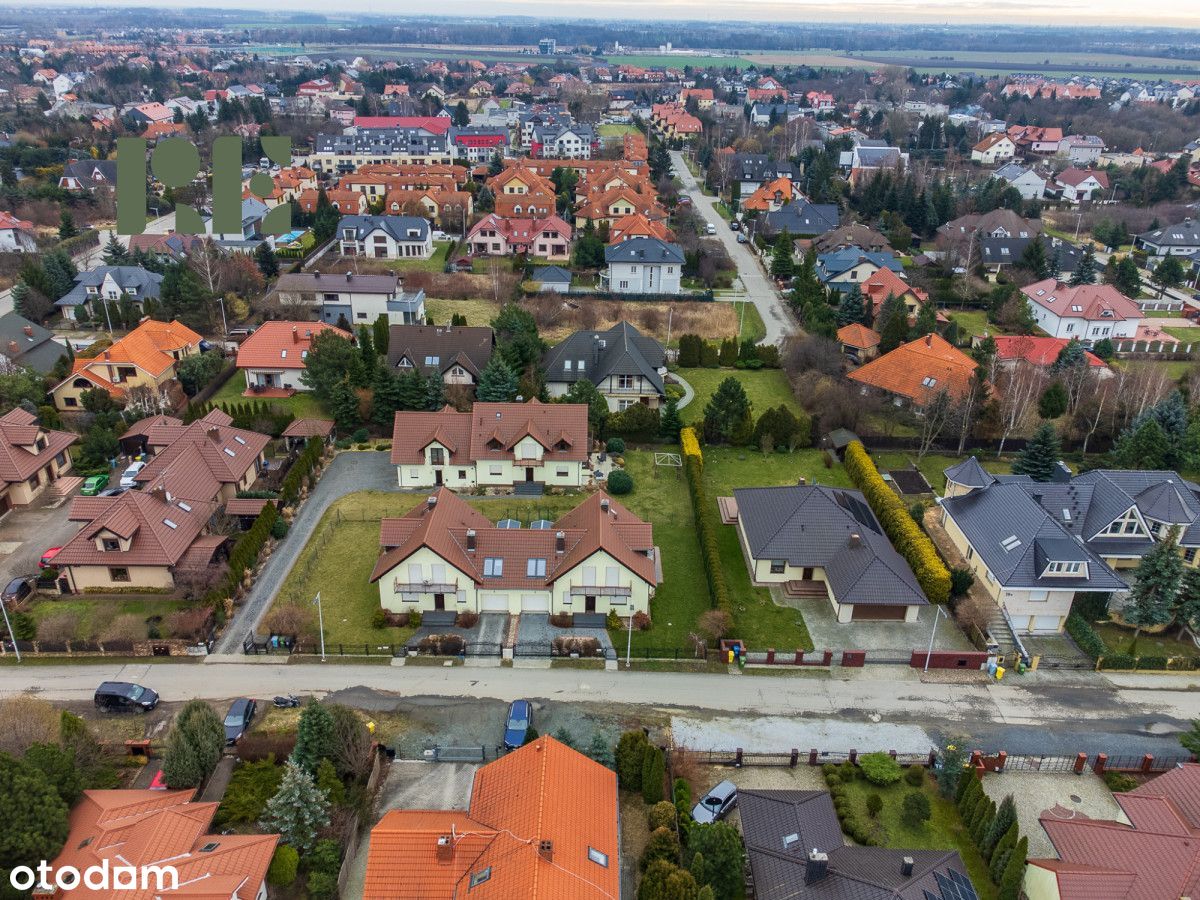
[1181,13]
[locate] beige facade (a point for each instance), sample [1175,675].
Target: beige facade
[529,463]
[1040,884]
[22,493]
[116,577]
[621,391]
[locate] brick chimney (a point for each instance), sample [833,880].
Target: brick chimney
[929,340]
[28,329]
[14,348]
[604,505]
[430,502]
[470,540]
[560,542]
[214,433]
[546,850]
[445,848]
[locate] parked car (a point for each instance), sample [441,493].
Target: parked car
[47,560]
[716,804]
[116,491]
[710,228]
[120,696]
[685,200]
[128,476]
[518,723]
[735,225]
[238,719]
[93,484]
[741,237]
[17,590]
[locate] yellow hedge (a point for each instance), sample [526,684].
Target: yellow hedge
[906,535]
[690,444]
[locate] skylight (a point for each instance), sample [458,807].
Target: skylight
[239,439]
[1066,514]
[229,452]
[184,506]
[1012,542]
[170,524]
[600,859]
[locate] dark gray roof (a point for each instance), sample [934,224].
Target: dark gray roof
[133,280]
[551,275]
[1160,495]
[802,219]
[1012,531]
[811,525]
[781,828]
[469,347]
[1182,234]
[970,473]
[363,284]
[621,350]
[35,346]
[400,228]
[89,169]
[1000,251]
[381,142]
[760,167]
[644,249]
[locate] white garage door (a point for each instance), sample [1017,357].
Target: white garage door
[495,602]
[1045,625]
[535,603]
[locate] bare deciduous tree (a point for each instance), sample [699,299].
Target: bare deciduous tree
[1018,386]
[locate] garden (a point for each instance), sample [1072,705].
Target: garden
[302,404]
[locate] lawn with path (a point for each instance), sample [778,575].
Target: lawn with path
[302,404]
[766,388]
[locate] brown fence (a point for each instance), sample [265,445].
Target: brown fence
[948,659]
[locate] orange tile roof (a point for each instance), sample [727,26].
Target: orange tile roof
[20,457]
[537,820]
[281,344]
[781,190]
[885,282]
[195,460]
[152,827]
[637,225]
[858,336]
[920,370]
[1041,351]
[491,431]
[149,347]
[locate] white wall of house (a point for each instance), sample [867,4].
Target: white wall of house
[17,240]
[1088,331]
[280,378]
[621,392]
[490,473]
[381,245]
[643,278]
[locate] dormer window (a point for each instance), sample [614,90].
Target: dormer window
[1064,568]
[110,544]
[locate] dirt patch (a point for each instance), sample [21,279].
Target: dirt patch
[635,832]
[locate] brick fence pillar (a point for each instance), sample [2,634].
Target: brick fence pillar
[1080,763]
[770,656]
[1101,762]
[854,757]
[795,758]
[1001,759]
[812,757]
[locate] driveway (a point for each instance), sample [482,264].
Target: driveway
[347,473]
[760,290]
[490,630]
[534,629]
[25,534]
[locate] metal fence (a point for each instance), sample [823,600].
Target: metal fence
[472,649]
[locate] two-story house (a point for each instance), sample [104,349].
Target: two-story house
[458,353]
[385,237]
[492,445]
[98,290]
[626,366]
[644,266]
[352,299]
[1078,185]
[1090,312]
[272,359]
[995,148]
[548,237]
[31,457]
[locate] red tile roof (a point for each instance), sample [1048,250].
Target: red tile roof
[1041,351]
[1093,302]
[149,347]
[20,457]
[8,220]
[858,336]
[1076,177]
[543,792]
[920,370]
[152,827]
[281,345]
[309,428]
[491,431]
[194,460]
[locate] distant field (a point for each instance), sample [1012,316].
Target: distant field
[673,61]
[1049,63]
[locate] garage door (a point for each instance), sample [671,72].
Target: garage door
[1045,625]
[495,602]
[535,603]
[865,612]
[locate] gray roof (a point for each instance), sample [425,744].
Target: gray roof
[970,473]
[362,284]
[1183,234]
[399,228]
[811,525]
[1106,494]
[621,350]
[780,829]
[551,275]
[35,346]
[1014,534]
[802,219]
[469,347]
[760,167]
[87,170]
[381,142]
[644,249]
[1000,251]
[133,280]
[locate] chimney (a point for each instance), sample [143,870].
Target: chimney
[906,867]
[445,848]
[349,276]
[855,540]
[929,340]
[214,432]
[28,329]
[471,540]
[430,502]
[14,348]
[546,850]
[107,355]
[560,542]
[816,867]
[158,492]
[604,505]
[295,335]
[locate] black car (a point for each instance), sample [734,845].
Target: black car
[237,720]
[118,696]
[17,590]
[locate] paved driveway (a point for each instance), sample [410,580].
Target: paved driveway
[25,534]
[347,473]
[760,290]
[534,629]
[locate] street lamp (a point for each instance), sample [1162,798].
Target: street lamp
[937,612]
[629,639]
[8,625]
[321,624]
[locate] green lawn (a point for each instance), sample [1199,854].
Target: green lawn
[753,328]
[943,831]
[301,404]
[1120,640]
[972,321]
[933,465]
[1186,335]
[614,130]
[722,210]
[757,619]
[435,263]
[93,615]
[766,388]
[726,468]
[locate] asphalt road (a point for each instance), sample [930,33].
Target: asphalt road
[760,290]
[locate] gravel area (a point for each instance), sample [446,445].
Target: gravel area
[1034,792]
[780,735]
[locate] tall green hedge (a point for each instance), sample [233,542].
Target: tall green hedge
[706,532]
[289,490]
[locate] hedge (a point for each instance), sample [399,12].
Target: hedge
[905,534]
[706,524]
[1083,635]
[289,489]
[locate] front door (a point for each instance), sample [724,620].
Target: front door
[437,476]
[807,574]
[589,604]
[529,473]
[439,601]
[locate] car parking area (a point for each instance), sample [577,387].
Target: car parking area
[1035,792]
[27,533]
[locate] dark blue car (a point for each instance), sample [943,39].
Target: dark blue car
[518,723]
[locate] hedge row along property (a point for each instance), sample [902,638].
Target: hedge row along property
[706,526]
[904,533]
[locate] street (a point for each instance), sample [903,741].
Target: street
[760,290]
[1039,713]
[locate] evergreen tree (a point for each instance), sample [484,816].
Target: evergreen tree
[653,773]
[1071,356]
[331,360]
[894,332]
[926,320]
[115,253]
[462,118]
[435,391]
[1053,402]
[850,310]
[342,404]
[728,409]
[670,422]
[329,783]
[59,766]
[728,354]
[314,736]
[497,383]
[1085,270]
[1158,579]
[299,810]
[1014,872]
[1168,273]
[496,164]
[1035,259]
[1039,459]
[381,335]
[1145,446]
[385,398]
[1187,608]
[782,265]
[583,391]
[194,745]
[268,264]
[411,390]
[366,350]
[1126,277]
[66,225]
[59,277]
[1005,818]
[721,846]
[35,818]
[1003,850]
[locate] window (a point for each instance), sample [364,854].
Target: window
[118,574]
[478,878]
[462,473]
[562,473]
[778,566]
[1012,542]
[929,381]
[600,859]
[70,401]
[361,315]
[432,360]
[495,470]
[625,382]
[535,568]
[111,544]
[437,456]
[566,365]
[493,567]
[1064,568]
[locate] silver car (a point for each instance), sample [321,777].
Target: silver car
[716,804]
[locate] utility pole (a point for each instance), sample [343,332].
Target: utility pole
[17,650]
[628,639]
[937,613]
[321,624]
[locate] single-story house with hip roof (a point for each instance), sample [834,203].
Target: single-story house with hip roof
[825,544]
[858,341]
[459,353]
[562,839]
[28,344]
[273,357]
[492,445]
[31,457]
[626,366]
[445,555]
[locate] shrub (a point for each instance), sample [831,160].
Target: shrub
[916,809]
[257,746]
[615,445]
[612,621]
[915,775]
[662,815]
[874,805]
[879,768]
[619,482]
[653,773]
[630,755]
[663,844]
[379,618]
[284,865]
[127,627]
[58,627]
[279,529]
[1087,639]
[690,445]
[1119,782]
[322,886]
[325,856]
[641,620]
[832,779]
[466,619]
[681,793]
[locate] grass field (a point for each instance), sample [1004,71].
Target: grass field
[1120,640]
[614,130]
[678,61]
[435,263]
[766,388]
[1031,61]
[93,615]
[971,321]
[478,312]
[302,404]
